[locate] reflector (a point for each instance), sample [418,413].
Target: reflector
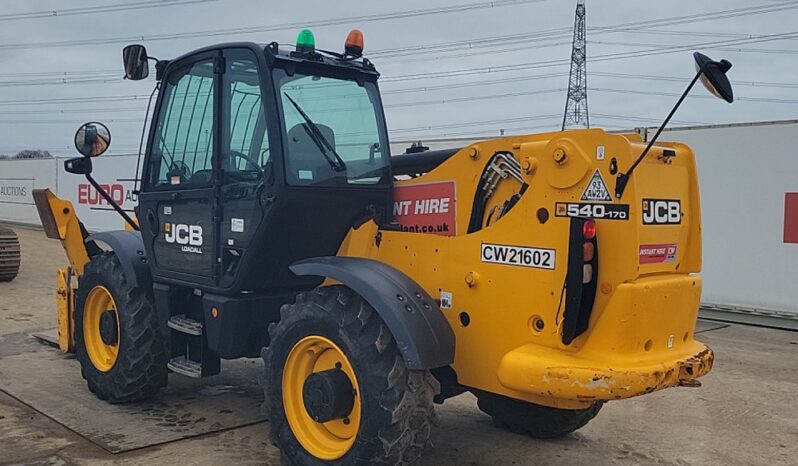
[587,273]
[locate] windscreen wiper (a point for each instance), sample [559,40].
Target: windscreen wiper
[318,138]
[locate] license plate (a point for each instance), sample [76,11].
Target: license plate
[539,258]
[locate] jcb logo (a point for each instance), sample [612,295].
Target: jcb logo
[182,234]
[662,212]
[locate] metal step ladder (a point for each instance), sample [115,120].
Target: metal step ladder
[190,354]
[186,367]
[186,325]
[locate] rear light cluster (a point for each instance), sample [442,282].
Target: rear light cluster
[581,278]
[589,250]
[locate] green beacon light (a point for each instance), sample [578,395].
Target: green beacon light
[305,42]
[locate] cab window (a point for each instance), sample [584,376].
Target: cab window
[182,150]
[348,125]
[245,156]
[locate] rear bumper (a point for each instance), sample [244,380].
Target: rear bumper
[555,374]
[641,340]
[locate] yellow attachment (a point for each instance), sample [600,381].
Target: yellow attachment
[60,222]
[65,305]
[103,356]
[330,440]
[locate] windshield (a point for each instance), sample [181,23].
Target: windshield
[328,119]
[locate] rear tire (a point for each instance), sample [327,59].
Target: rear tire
[534,420]
[396,411]
[134,368]
[10,255]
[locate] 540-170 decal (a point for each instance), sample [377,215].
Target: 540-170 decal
[592,210]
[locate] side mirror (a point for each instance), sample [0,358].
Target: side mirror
[713,76]
[78,165]
[135,59]
[92,139]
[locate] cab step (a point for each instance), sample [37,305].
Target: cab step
[186,367]
[184,324]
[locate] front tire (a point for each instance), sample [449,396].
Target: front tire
[333,329]
[532,419]
[118,341]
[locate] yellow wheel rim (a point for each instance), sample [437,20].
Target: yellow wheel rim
[103,356]
[329,440]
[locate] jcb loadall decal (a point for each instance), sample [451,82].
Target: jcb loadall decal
[189,237]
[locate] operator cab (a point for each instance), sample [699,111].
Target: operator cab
[244,140]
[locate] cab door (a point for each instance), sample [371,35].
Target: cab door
[246,159]
[178,209]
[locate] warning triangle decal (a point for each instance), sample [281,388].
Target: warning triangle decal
[596,189]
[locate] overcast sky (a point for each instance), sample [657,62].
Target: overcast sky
[630,79]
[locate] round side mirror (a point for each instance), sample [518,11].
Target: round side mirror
[92,139]
[135,59]
[713,76]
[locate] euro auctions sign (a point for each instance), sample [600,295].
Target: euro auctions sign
[16,190]
[426,208]
[115,175]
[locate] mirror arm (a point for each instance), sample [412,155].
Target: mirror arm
[623,178]
[111,202]
[160,69]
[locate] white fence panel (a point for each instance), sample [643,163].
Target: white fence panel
[18,179]
[744,173]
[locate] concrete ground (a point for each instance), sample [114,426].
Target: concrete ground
[746,413]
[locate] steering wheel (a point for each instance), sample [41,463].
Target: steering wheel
[248,174]
[250,161]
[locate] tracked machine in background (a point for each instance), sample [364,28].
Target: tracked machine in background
[274,222]
[10,254]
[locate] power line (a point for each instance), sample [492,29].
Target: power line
[730,35]
[75,100]
[98,9]
[723,49]
[276,27]
[532,118]
[493,41]
[475,123]
[598,58]
[783,85]
[473,98]
[701,17]
[693,96]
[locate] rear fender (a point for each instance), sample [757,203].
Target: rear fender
[421,331]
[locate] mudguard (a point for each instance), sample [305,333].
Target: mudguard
[421,331]
[129,249]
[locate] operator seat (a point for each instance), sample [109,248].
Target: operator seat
[305,163]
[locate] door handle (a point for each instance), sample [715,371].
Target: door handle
[151,220]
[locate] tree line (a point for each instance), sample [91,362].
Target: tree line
[28,154]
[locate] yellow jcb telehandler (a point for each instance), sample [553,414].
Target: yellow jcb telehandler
[547,274]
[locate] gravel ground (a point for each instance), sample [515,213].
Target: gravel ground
[746,413]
